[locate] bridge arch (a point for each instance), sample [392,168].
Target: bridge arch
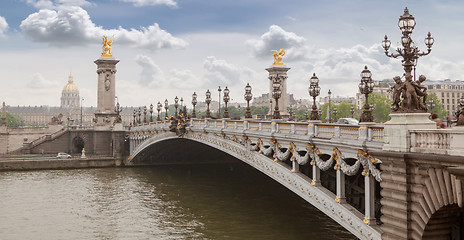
[297,182]
[440,206]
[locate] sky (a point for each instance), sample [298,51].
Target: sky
[171,48]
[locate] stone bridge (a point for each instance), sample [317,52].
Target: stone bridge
[343,170]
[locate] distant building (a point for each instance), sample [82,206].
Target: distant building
[264,101]
[448,92]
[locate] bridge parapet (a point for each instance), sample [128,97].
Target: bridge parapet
[438,141]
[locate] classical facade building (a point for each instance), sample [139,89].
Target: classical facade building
[448,92]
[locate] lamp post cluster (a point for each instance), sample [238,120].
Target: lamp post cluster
[314,91]
[410,54]
[208,101]
[365,87]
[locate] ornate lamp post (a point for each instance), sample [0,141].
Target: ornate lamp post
[365,87]
[194,102]
[151,112]
[352,111]
[140,118]
[118,108]
[135,116]
[314,91]
[226,100]
[166,106]
[158,107]
[276,93]
[410,54]
[208,101]
[431,104]
[144,114]
[219,109]
[248,97]
[330,111]
[176,105]
[335,114]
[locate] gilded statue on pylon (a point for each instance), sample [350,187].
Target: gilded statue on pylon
[107,47]
[278,57]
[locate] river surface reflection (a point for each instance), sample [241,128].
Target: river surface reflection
[223,201]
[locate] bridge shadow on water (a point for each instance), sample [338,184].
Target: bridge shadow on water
[231,199]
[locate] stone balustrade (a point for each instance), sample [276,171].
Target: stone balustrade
[438,141]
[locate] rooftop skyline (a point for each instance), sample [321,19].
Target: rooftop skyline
[170,48]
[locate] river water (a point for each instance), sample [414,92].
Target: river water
[220,201]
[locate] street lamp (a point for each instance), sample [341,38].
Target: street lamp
[410,54]
[82,99]
[135,117]
[158,107]
[335,114]
[431,104]
[208,101]
[276,93]
[140,113]
[226,100]
[118,108]
[144,114]
[166,106]
[330,111]
[314,91]
[219,109]
[194,102]
[176,105]
[352,111]
[365,87]
[181,104]
[248,97]
[151,112]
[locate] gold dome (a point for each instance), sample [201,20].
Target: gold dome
[70,87]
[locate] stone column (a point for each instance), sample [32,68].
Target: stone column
[281,72]
[105,115]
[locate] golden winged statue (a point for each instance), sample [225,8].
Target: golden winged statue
[278,56]
[107,47]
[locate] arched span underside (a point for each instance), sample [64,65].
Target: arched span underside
[321,198]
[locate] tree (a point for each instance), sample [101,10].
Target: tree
[13,121]
[381,107]
[438,108]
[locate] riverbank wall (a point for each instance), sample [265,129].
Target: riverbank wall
[48,162]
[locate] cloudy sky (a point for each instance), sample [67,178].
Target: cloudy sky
[175,47]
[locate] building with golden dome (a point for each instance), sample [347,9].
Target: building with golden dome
[70,94]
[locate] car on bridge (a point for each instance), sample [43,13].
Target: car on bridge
[63,155]
[350,121]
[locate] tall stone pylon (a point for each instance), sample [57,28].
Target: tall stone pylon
[278,72]
[105,115]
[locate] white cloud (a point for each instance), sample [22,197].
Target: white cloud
[141,3]
[277,38]
[39,82]
[151,74]
[3,26]
[71,25]
[49,4]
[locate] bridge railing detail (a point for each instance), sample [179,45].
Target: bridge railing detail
[438,141]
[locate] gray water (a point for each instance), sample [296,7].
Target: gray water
[223,201]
